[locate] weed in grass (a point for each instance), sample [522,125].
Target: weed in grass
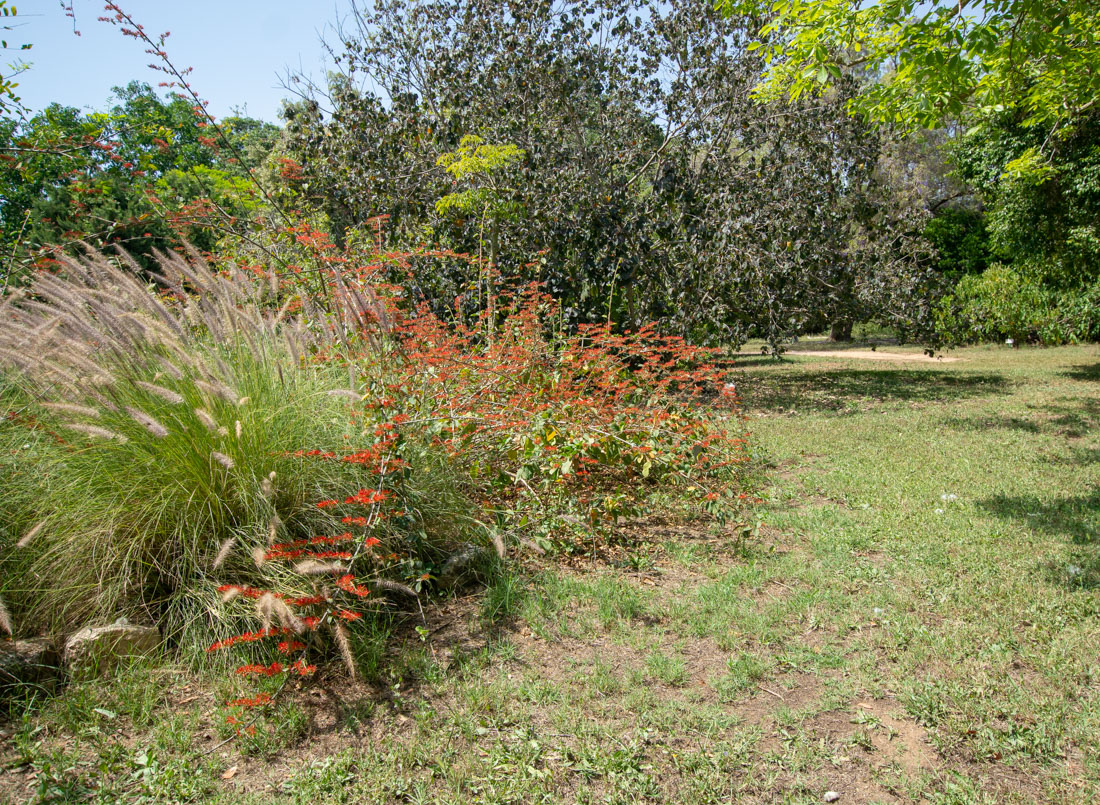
[331,779]
[504,596]
[669,670]
[744,671]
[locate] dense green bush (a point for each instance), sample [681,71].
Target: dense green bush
[1003,303]
[960,238]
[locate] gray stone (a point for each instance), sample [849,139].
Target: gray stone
[33,662]
[831,796]
[97,649]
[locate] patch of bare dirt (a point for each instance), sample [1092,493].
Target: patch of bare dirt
[875,355]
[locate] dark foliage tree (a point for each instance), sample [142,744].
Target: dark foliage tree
[653,186]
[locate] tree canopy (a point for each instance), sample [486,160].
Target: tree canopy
[651,185]
[938,60]
[142,174]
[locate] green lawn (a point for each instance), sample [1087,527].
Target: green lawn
[915,620]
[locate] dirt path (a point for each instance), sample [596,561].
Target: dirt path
[874,355]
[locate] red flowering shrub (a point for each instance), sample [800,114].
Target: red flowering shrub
[425,435]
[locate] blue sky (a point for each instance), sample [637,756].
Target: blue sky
[239,49]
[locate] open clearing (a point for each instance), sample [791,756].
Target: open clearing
[915,620]
[874,355]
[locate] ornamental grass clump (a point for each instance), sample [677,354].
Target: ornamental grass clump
[165,435]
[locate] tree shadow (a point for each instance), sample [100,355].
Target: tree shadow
[1069,417]
[1075,519]
[1085,373]
[847,391]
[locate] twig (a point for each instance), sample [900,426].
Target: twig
[772,692]
[14,251]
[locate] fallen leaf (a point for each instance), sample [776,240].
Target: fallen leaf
[229,773]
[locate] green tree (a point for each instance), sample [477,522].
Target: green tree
[142,175]
[479,166]
[938,60]
[9,101]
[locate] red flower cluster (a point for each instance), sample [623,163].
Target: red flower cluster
[261,670]
[347,583]
[367,497]
[247,637]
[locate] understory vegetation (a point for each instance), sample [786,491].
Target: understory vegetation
[208,440]
[890,634]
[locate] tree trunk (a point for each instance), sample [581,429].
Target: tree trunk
[841,331]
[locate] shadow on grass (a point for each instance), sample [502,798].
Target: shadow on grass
[849,390]
[1075,519]
[1071,417]
[1084,373]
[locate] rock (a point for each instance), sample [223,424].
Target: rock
[96,649]
[831,796]
[33,662]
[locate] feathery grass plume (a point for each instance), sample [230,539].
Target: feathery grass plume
[93,430]
[313,567]
[5,619]
[238,429]
[223,552]
[278,317]
[72,408]
[19,360]
[271,607]
[395,587]
[207,420]
[25,540]
[146,421]
[173,370]
[55,372]
[222,459]
[160,391]
[341,636]
[287,619]
[291,339]
[266,488]
[94,395]
[534,547]
[259,556]
[243,401]
[209,317]
[351,395]
[223,431]
[265,608]
[74,360]
[217,389]
[273,529]
[229,593]
[498,543]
